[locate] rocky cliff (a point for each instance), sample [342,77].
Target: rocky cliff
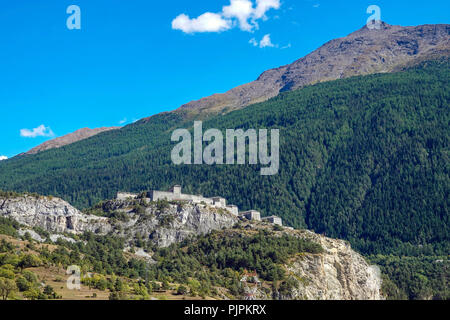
[51,214]
[163,225]
[362,52]
[337,274]
[170,223]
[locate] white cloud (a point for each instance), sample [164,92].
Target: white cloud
[262,6]
[123,121]
[243,13]
[3,158]
[41,131]
[265,42]
[242,10]
[207,22]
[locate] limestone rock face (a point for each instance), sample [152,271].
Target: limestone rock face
[337,274]
[175,223]
[162,226]
[51,214]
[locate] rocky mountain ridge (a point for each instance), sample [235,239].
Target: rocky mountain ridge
[363,52]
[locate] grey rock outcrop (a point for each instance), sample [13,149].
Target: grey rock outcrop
[175,223]
[162,226]
[51,214]
[33,234]
[339,273]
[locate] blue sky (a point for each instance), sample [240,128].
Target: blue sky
[132,59]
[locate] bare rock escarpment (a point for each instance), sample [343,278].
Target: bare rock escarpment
[163,226]
[51,214]
[339,273]
[173,223]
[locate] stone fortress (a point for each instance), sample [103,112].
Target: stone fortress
[175,194]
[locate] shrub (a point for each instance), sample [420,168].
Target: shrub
[30,261]
[22,284]
[182,290]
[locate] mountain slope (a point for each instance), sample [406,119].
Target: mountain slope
[364,159]
[360,53]
[70,138]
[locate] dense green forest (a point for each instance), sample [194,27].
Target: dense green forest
[364,159]
[414,278]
